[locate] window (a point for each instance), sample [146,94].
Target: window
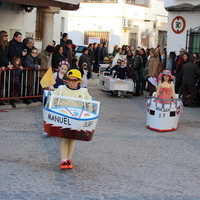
[39,25]
[152,112]
[103,35]
[172,114]
[193,41]
[138,2]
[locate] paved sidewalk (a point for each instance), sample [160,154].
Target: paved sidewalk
[124,160]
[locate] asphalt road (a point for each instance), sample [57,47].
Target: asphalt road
[124,160]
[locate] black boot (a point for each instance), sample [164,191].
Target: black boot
[26,101]
[12,103]
[2,103]
[136,94]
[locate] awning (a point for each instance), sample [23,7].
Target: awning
[184,7]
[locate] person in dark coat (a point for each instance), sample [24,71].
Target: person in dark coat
[137,73]
[15,47]
[185,59]
[32,62]
[74,64]
[121,73]
[103,52]
[29,45]
[4,45]
[91,53]
[129,61]
[143,54]
[68,51]
[188,74]
[96,58]
[16,72]
[63,39]
[115,67]
[84,58]
[58,56]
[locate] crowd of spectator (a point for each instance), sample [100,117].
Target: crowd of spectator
[144,65]
[19,54]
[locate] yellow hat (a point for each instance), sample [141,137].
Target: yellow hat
[74,72]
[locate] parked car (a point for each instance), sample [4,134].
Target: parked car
[79,50]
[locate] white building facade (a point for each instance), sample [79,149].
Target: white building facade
[183,25]
[42,23]
[130,22]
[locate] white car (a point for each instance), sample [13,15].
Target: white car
[79,50]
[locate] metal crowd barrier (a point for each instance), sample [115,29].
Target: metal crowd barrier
[28,84]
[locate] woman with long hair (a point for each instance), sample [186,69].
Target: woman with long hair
[115,48]
[3,55]
[118,56]
[58,56]
[137,73]
[179,67]
[4,49]
[196,55]
[144,66]
[153,65]
[171,61]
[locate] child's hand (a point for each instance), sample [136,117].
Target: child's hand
[20,67]
[10,66]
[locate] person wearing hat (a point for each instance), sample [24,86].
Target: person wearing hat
[68,51]
[85,58]
[72,88]
[165,89]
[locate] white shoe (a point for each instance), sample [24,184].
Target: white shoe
[45,134]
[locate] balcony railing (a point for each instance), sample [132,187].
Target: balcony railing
[101,1]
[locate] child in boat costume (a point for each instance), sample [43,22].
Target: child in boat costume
[165,88]
[72,88]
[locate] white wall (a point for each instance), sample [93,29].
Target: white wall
[108,17]
[14,18]
[96,17]
[177,41]
[58,25]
